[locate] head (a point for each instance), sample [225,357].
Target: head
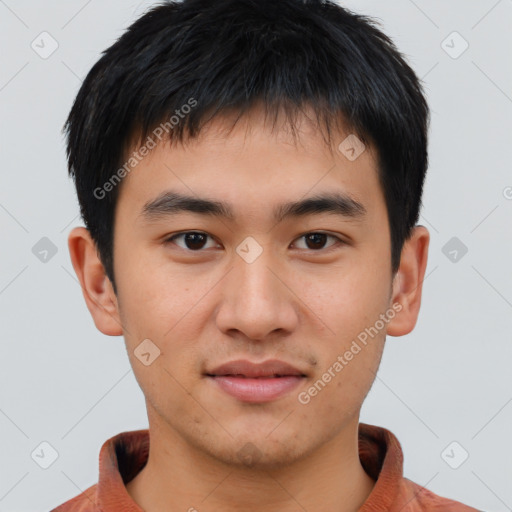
[246,107]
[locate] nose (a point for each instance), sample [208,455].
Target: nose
[257,300]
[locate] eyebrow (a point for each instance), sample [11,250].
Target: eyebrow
[171,203]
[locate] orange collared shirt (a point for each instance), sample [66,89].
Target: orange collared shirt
[124,455]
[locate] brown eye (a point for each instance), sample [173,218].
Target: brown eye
[317,241]
[193,240]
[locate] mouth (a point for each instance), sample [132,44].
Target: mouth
[256,390]
[242,376]
[256,383]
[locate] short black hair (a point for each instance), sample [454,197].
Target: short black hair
[227,56]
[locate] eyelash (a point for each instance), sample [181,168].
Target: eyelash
[338,242]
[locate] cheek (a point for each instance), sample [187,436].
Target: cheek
[157,295]
[346,309]
[167,307]
[346,302]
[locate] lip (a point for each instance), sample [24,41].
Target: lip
[256,382]
[245,368]
[263,389]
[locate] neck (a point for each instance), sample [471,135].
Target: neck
[180,477]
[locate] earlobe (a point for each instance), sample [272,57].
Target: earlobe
[96,286]
[408,282]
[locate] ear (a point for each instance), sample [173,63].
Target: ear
[96,286]
[408,282]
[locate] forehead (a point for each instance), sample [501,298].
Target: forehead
[254,165]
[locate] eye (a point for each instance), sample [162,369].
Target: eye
[316,240]
[196,240]
[193,240]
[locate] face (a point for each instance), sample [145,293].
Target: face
[301,289]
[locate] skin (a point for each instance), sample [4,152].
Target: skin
[295,302]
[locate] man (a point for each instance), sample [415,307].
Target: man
[250,175]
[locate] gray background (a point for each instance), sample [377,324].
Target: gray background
[63,382]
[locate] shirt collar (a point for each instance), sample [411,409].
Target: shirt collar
[123,456]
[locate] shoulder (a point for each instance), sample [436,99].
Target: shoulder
[84,502]
[420,499]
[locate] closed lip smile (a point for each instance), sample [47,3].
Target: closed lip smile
[256,382]
[245,368]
